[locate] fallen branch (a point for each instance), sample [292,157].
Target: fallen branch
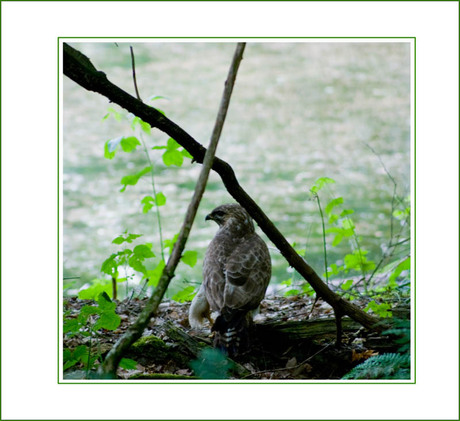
[109,367]
[80,69]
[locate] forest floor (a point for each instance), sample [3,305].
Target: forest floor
[294,340]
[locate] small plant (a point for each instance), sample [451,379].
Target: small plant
[88,324]
[133,260]
[212,364]
[390,365]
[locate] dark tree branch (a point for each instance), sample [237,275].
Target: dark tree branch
[79,68]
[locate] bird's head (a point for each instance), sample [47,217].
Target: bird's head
[232,216]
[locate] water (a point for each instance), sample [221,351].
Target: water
[299,111]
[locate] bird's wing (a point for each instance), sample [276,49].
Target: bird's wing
[247,274]
[213,274]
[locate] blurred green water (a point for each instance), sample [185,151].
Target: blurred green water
[299,111]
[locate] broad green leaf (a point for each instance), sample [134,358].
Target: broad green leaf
[105,303]
[128,364]
[85,312]
[190,258]
[129,144]
[173,157]
[160,199]
[135,262]
[143,251]
[71,325]
[148,202]
[80,352]
[131,180]
[98,286]
[155,274]
[320,182]
[110,265]
[128,238]
[110,147]
[332,204]
[383,310]
[107,320]
[171,144]
[69,364]
[348,224]
[346,212]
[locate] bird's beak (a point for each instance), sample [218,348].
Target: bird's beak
[209,218]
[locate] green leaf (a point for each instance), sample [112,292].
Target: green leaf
[128,238]
[131,180]
[143,251]
[108,320]
[171,144]
[404,265]
[347,285]
[128,364]
[71,325]
[145,127]
[112,112]
[185,295]
[383,310]
[80,352]
[148,202]
[320,182]
[332,204]
[105,303]
[129,144]
[160,199]
[190,258]
[346,212]
[135,262]
[110,147]
[186,154]
[173,157]
[98,286]
[85,312]
[169,243]
[110,265]
[291,292]
[155,274]
[348,224]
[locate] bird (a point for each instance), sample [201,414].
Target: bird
[236,274]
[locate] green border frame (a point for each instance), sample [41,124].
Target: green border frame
[248,382]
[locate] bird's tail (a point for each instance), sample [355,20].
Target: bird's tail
[231,331]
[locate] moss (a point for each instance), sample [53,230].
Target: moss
[155,350]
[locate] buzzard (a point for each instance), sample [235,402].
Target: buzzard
[236,273]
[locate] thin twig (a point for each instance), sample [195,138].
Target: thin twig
[316,196]
[133,65]
[110,364]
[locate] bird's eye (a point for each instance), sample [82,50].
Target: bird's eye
[219,214]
